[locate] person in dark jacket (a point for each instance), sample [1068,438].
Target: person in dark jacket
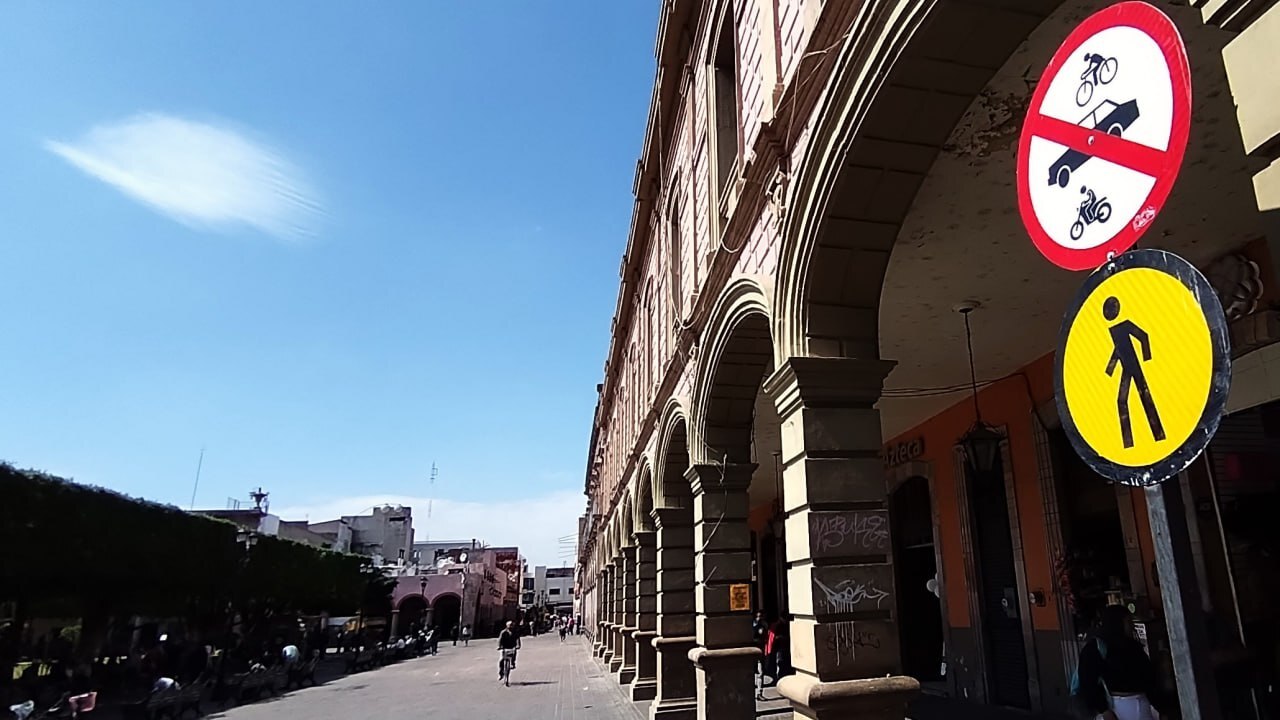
[1115,679]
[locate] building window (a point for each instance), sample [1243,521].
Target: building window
[528,583]
[553,591]
[724,88]
[675,245]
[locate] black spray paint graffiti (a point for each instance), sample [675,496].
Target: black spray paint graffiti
[867,531]
[849,594]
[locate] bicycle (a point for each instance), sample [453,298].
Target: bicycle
[1101,71]
[506,665]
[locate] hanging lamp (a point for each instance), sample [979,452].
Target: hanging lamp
[981,443]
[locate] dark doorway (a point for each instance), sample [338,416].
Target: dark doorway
[773,581]
[448,611]
[919,609]
[1006,659]
[1093,563]
[413,610]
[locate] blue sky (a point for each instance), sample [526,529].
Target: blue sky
[330,243]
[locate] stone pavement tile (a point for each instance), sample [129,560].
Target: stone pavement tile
[552,681]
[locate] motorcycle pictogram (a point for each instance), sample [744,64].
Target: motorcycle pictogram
[1092,209]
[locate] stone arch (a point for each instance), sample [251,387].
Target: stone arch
[670,488]
[626,521]
[642,500]
[894,98]
[414,597]
[737,352]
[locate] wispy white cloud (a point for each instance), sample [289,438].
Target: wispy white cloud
[535,524]
[199,174]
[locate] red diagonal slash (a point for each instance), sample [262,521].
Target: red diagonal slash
[1097,143]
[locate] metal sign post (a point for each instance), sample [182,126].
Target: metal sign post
[1184,616]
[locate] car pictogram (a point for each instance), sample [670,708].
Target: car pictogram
[1117,119]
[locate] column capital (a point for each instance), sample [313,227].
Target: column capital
[629,553]
[672,517]
[826,382]
[646,538]
[720,477]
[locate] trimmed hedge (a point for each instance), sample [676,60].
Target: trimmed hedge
[63,545]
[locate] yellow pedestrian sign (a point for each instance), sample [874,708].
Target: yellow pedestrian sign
[1143,367]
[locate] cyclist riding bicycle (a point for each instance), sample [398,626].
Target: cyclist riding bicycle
[1095,62]
[508,645]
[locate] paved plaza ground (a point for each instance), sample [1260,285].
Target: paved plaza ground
[553,681]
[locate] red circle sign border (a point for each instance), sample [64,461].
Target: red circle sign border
[1160,28]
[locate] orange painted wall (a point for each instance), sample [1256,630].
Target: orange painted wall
[1005,403]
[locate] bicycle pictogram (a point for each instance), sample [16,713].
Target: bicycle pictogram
[1101,70]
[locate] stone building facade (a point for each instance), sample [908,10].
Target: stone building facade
[779,426]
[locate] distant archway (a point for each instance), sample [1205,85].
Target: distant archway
[447,614]
[413,614]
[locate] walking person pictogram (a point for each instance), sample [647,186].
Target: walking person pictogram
[1123,334]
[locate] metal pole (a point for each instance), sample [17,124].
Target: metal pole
[1183,614]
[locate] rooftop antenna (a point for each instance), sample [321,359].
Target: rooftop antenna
[196,486]
[431,490]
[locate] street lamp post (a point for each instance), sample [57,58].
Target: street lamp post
[422,589]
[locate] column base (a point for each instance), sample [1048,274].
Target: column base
[644,689]
[615,664]
[726,682]
[677,696]
[645,686]
[871,699]
[626,674]
[683,709]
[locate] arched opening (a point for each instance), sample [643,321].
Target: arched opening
[673,520]
[913,211]
[920,636]
[413,614]
[742,430]
[446,615]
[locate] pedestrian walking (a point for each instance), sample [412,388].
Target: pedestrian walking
[564,630]
[759,636]
[466,635]
[457,630]
[1114,678]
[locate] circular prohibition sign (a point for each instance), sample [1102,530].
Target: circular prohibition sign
[1106,141]
[1143,367]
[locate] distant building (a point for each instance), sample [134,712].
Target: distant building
[552,588]
[457,583]
[386,534]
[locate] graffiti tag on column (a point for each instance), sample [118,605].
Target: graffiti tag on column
[846,638]
[849,594]
[867,531]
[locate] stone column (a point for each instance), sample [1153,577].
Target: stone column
[597,645]
[395,624]
[844,640]
[646,681]
[676,698]
[627,672]
[725,657]
[619,570]
[606,625]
